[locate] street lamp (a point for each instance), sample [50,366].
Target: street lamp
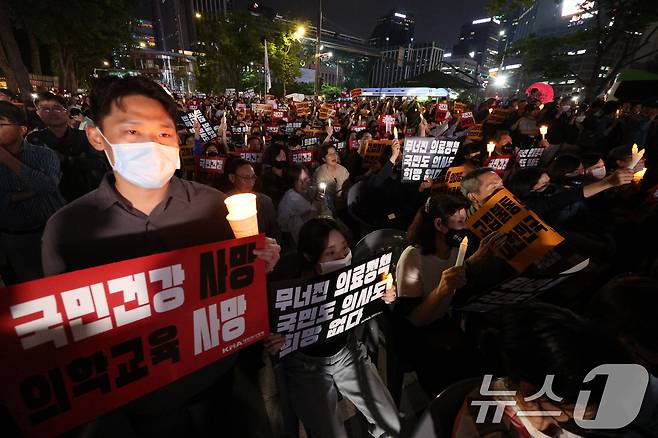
[299,33]
[500,81]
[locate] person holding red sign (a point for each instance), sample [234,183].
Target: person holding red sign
[142,209]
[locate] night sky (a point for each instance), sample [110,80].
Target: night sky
[436,20]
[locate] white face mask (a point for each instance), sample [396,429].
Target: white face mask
[149,165]
[334,265]
[598,173]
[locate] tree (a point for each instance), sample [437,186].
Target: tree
[618,35]
[234,49]
[79,33]
[11,62]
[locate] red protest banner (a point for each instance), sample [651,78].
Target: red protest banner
[211,165]
[467,120]
[499,163]
[441,113]
[302,156]
[78,345]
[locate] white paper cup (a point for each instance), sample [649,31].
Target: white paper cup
[241,206]
[243,226]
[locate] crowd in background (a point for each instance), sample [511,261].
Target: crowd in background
[586,187]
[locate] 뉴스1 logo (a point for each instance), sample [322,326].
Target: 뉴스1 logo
[620,403]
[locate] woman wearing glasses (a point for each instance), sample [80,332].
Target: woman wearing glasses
[241,178]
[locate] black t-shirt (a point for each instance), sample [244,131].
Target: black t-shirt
[82,166]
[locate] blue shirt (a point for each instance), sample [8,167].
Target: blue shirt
[40,175]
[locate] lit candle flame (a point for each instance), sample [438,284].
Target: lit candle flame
[395,132]
[637,176]
[491,146]
[637,156]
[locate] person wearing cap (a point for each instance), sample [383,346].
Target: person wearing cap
[29,195]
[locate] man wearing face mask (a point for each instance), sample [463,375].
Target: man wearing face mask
[142,209]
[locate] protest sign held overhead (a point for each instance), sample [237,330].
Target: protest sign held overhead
[530,157]
[310,311]
[207,132]
[441,113]
[426,157]
[528,237]
[373,150]
[327,111]
[498,116]
[80,344]
[449,181]
[475,132]
[303,109]
[467,120]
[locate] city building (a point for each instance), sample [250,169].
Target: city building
[463,68]
[550,18]
[393,30]
[407,62]
[174,22]
[480,41]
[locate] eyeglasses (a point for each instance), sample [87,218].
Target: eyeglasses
[53,110]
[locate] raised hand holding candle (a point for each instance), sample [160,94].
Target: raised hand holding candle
[543,130]
[491,146]
[637,156]
[463,246]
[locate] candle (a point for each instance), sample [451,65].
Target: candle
[541,106]
[491,146]
[395,132]
[329,122]
[636,156]
[242,214]
[543,130]
[323,187]
[463,246]
[490,110]
[637,176]
[389,280]
[263,141]
[245,139]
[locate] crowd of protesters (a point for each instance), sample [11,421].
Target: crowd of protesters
[94,179]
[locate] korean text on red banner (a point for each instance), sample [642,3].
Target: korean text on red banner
[426,157]
[310,311]
[78,345]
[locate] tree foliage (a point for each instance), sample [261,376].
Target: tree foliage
[80,33]
[234,52]
[618,35]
